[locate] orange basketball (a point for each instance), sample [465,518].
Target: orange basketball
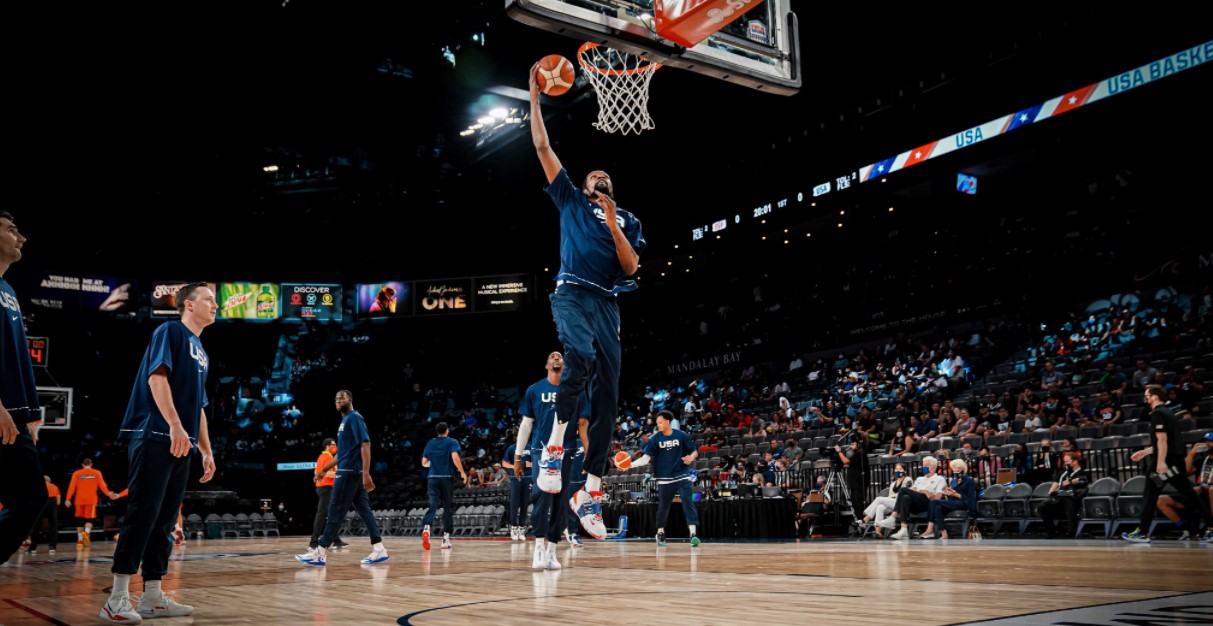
[623,460]
[555,75]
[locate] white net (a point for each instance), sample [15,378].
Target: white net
[621,80]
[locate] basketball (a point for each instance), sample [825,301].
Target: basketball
[623,460]
[555,75]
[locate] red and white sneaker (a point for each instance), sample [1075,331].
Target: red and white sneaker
[548,480]
[119,611]
[587,506]
[425,539]
[178,537]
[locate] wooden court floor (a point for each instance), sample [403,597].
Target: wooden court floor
[243,581]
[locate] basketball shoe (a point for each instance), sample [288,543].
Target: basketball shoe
[586,505]
[119,611]
[162,606]
[548,480]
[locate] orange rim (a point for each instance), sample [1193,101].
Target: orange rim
[589,45]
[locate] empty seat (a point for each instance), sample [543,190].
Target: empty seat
[1098,507]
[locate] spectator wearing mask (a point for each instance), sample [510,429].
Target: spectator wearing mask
[1065,495]
[959,495]
[884,504]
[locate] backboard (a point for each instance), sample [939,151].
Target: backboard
[759,50]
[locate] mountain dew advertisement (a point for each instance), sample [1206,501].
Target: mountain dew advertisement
[248,301]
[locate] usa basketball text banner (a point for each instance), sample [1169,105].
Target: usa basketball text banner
[1115,85]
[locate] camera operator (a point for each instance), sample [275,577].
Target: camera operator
[851,458]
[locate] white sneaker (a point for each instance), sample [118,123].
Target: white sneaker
[901,534]
[446,543]
[573,539]
[551,562]
[586,507]
[376,556]
[119,611]
[888,523]
[162,606]
[311,557]
[540,559]
[548,480]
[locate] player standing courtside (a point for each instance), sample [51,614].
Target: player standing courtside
[600,246]
[538,411]
[441,455]
[520,489]
[21,488]
[351,486]
[672,454]
[165,420]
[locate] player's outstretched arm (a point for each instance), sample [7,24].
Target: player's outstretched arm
[539,133]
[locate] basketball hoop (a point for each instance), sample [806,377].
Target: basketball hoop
[621,80]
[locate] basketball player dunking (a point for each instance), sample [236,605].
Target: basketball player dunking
[600,247]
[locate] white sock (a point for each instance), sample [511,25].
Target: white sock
[427,528]
[557,438]
[661,530]
[446,536]
[552,549]
[593,483]
[151,588]
[122,586]
[378,547]
[540,542]
[692,527]
[321,551]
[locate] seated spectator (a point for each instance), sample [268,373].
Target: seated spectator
[1053,413]
[1031,423]
[987,466]
[1143,375]
[966,425]
[926,488]
[900,443]
[1190,391]
[925,430]
[713,443]
[793,453]
[1113,381]
[1108,412]
[1051,378]
[1065,495]
[1003,425]
[884,504]
[959,495]
[985,421]
[1026,402]
[1079,413]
